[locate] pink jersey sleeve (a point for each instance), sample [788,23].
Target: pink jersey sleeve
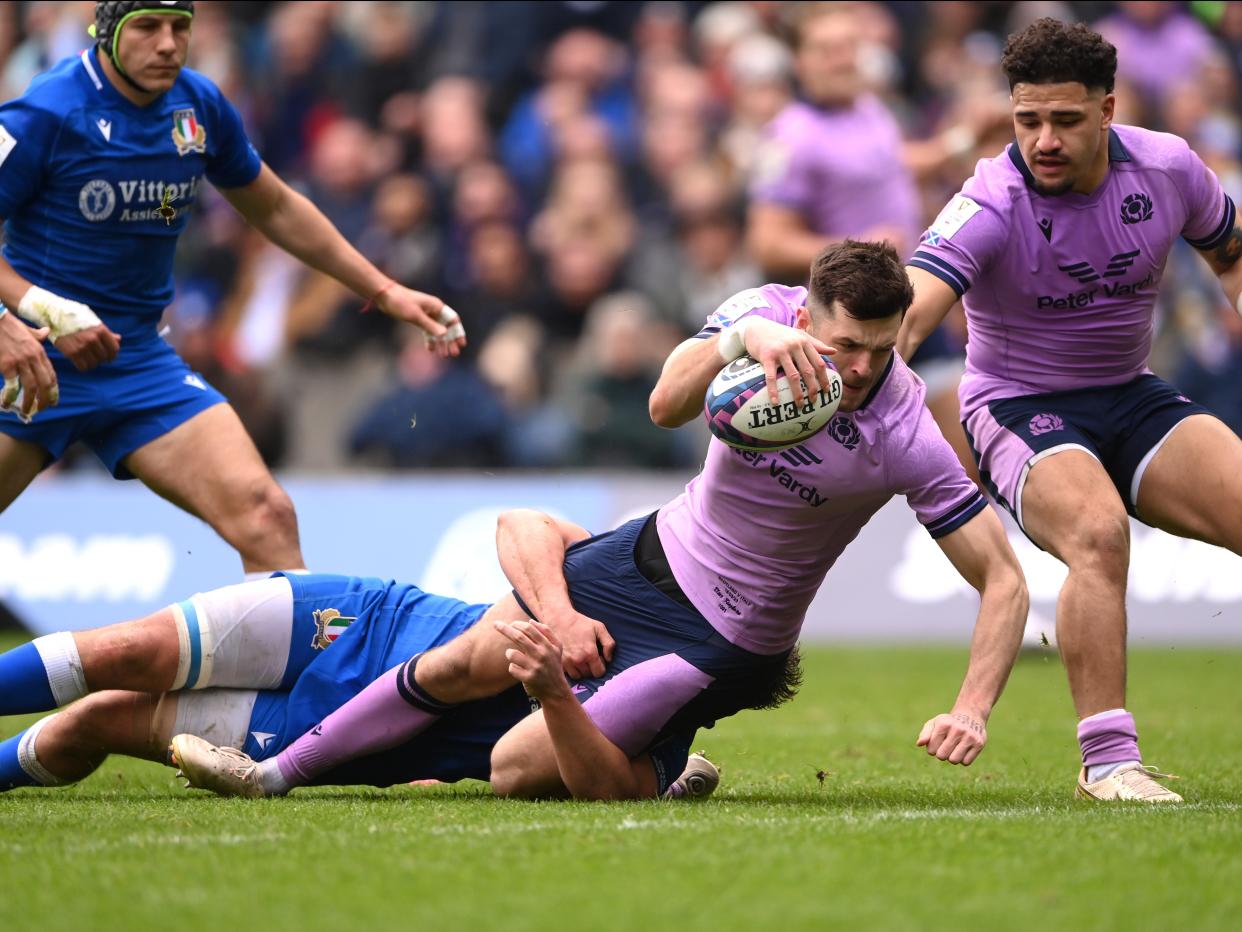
[965,237]
[927,472]
[1210,211]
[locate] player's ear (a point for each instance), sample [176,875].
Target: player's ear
[803,319]
[1107,107]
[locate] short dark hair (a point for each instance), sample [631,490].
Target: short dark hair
[1051,52]
[867,278]
[774,685]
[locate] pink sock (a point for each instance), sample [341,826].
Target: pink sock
[1108,737]
[380,717]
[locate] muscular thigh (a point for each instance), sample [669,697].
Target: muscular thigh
[1192,485]
[207,465]
[20,462]
[1066,499]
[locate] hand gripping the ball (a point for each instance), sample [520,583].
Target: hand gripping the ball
[779,348]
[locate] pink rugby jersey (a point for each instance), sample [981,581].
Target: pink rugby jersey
[753,535]
[1059,291]
[840,168]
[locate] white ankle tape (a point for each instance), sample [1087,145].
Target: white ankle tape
[195,646]
[63,664]
[27,760]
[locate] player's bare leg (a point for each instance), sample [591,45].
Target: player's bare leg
[71,744]
[20,462]
[209,467]
[1071,508]
[1193,485]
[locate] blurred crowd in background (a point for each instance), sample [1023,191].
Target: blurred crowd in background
[574,178]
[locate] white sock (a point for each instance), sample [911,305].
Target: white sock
[1098,772]
[29,761]
[63,664]
[271,779]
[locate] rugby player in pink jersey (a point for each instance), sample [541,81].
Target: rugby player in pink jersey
[704,600]
[1057,247]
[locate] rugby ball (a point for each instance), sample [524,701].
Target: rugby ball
[740,413]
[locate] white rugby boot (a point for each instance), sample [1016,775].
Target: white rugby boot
[1134,783]
[698,781]
[226,771]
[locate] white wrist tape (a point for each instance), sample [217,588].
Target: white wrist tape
[732,342]
[60,315]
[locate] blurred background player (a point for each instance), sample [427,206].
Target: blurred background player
[834,164]
[706,598]
[1059,245]
[254,665]
[100,163]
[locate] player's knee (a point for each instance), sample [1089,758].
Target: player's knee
[1102,542]
[274,512]
[509,779]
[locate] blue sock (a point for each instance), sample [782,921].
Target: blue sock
[24,683]
[11,773]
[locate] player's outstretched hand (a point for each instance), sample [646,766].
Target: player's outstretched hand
[535,658]
[29,379]
[89,348]
[955,737]
[443,332]
[791,350]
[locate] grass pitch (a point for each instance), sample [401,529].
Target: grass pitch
[888,839]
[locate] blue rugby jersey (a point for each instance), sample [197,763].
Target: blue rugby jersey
[84,172]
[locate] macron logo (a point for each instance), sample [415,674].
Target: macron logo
[105,127]
[262,739]
[194,380]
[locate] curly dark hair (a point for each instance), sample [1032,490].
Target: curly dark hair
[867,278]
[1051,52]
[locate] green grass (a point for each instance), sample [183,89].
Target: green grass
[889,840]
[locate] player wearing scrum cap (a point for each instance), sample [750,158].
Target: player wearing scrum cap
[100,162]
[1057,247]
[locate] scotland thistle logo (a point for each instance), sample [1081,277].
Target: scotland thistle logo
[1045,424]
[1135,209]
[844,431]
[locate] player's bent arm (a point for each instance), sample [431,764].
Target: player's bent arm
[1226,261]
[980,551]
[678,395]
[531,546]
[296,225]
[558,749]
[559,752]
[780,242]
[933,299]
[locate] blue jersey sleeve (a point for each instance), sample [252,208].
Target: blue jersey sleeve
[27,135]
[232,161]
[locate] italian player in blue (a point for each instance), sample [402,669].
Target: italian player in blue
[1057,247]
[254,665]
[100,162]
